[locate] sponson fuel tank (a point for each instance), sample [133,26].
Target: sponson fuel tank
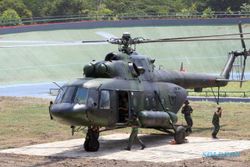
[156,119]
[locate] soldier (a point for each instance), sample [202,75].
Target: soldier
[187,110]
[134,134]
[216,122]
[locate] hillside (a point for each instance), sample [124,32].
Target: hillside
[45,64]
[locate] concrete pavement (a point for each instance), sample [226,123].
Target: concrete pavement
[158,148]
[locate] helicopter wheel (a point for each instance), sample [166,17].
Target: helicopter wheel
[180,135]
[91,143]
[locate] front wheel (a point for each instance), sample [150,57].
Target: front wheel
[180,135]
[91,143]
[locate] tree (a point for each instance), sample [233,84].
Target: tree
[222,5]
[245,8]
[10,18]
[69,7]
[229,11]
[190,11]
[17,5]
[39,8]
[208,13]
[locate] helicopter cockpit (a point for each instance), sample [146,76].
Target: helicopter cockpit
[72,94]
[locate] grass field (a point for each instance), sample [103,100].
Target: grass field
[32,64]
[233,89]
[25,121]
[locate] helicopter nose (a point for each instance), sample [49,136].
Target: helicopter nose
[72,114]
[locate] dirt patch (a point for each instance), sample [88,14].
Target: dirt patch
[10,160]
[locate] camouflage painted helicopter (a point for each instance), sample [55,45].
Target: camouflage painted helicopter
[126,86]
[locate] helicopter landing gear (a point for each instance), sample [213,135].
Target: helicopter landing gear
[91,143]
[180,135]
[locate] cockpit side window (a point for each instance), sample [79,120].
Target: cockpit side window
[68,95]
[72,94]
[104,100]
[81,96]
[60,95]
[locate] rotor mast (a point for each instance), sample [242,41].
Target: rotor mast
[126,43]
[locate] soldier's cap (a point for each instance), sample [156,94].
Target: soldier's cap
[186,102]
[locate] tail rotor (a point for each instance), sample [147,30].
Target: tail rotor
[245,53]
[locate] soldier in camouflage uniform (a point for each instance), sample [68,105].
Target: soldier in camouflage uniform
[134,134]
[187,110]
[216,122]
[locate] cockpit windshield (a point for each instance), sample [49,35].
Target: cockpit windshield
[72,94]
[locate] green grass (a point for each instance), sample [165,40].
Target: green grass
[231,90]
[25,121]
[234,122]
[32,64]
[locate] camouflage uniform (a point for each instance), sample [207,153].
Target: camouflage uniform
[134,135]
[187,110]
[216,122]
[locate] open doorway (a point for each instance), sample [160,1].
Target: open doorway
[123,106]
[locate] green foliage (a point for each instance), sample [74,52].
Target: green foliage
[208,13]
[245,7]
[37,8]
[16,5]
[10,17]
[192,10]
[229,11]
[222,5]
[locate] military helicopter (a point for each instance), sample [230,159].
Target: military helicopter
[126,85]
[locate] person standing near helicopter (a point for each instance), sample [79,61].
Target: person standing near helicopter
[135,124]
[187,110]
[216,122]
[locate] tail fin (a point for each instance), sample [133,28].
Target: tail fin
[229,65]
[233,55]
[225,74]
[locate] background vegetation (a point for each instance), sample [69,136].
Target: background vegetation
[15,9]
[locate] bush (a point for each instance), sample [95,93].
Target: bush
[10,18]
[208,13]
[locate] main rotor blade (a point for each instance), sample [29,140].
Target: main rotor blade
[50,42]
[191,40]
[241,36]
[206,36]
[34,41]
[79,43]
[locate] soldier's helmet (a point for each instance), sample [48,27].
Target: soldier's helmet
[186,102]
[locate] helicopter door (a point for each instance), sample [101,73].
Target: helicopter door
[104,111]
[123,106]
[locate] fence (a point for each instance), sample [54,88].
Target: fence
[74,18]
[208,93]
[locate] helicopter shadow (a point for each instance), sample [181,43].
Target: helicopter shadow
[112,146]
[198,130]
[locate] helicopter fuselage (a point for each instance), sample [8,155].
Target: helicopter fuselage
[96,101]
[130,82]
